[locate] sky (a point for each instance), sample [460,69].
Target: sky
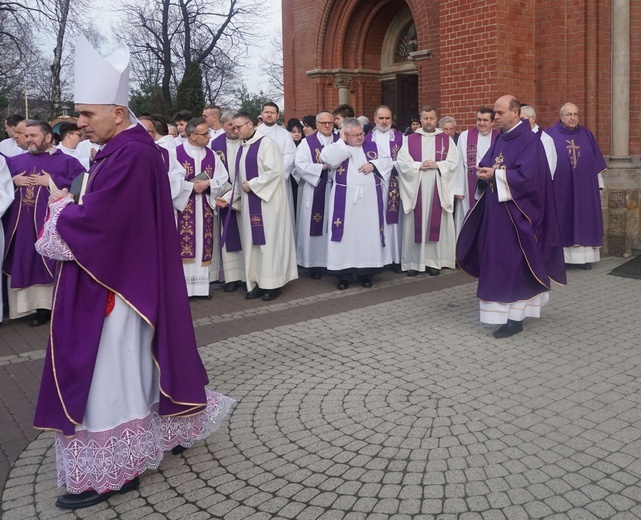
[270,22]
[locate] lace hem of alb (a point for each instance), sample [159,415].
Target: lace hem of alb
[50,243]
[106,460]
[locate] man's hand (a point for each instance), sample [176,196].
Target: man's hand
[246,187]
[220,202]
[428,165]
[200,186]
[485,174]
[366,168]
[60,195]
[22,179]
[40,180]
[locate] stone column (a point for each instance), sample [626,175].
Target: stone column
[620,80]
[342,84]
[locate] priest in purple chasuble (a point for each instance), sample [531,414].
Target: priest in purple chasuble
[510,239]
[122,381]
[6,198]
[313,197]
[30,276]
[356,215]
[267,235]
[472,146]
[198,227]
[576,184]
[427,166]
[226,147]
[389,142]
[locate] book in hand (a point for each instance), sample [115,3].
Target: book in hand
[77,189]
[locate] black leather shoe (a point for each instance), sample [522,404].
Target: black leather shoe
[342,285]
[583,267]
[270,294]
[367,283]
[412,272]
[256,292]
[231,286]
[397,268]
[91,498]
[509,329]
[41,317]
[316,273]
[432,271]
[177,450]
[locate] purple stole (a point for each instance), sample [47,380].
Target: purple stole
[254,202]
[472,141]
[318,201]
[393,193]
[230,237]
[187,217]
[442,146]
[340,195]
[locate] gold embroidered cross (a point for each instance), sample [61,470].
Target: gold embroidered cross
[574,151]
[318,217]
[337,222]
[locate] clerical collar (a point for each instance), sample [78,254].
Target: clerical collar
[516,125]
[250,137]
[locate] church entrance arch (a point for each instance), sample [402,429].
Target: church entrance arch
[366,56]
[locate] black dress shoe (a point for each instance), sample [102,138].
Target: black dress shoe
[231,286]
[91,498]
[316,273]
[177,450]
[367,283]
[509,329]
[432,271]
[256,292]
[397,268]
[41,317]
[270,294]
[412,272]
[342,285]
[583,267]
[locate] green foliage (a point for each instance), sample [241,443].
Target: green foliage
[250,102]
[148,99]
[190,91]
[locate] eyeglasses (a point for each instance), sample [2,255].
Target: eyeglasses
[206,134]
[357,135]
[324,122]
[237,128]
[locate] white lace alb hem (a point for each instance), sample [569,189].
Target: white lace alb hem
[106,460]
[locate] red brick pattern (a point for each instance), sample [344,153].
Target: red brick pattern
[545,52]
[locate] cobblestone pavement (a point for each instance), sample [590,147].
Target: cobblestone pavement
[396,403]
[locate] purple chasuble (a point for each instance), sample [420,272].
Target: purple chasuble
[255,204]
[415,148]
[124,240]
[320,190]
[187,217]
[576,185]
[26,215]
[230,233]
[472,145]
[514,247]
[393,191]
[340,195]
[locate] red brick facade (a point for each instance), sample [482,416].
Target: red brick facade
[545,52]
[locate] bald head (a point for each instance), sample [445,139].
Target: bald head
[507,112]
[570,116]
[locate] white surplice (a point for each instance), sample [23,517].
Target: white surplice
[412,179]
[6,198]
[360,246]
[461,186]
[272,265]
[311,251]
[197,275]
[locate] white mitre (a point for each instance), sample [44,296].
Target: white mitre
[101,80]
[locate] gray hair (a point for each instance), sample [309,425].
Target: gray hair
[446,119]
[351,122]
[193,124]
[323,112]
[528,111]
[364,120]
[566,105]
[227,115]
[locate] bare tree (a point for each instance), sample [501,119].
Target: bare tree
[274,68]
[168,35]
